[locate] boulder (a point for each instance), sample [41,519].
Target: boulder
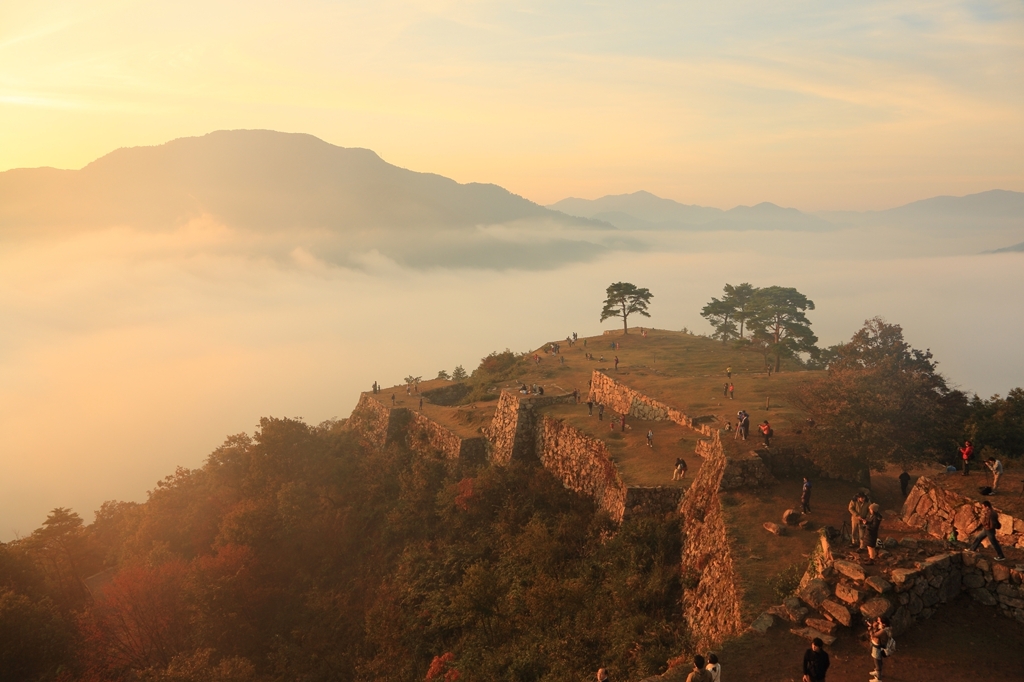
[890,543]
[908,543]
[821,625]
[983,596]
[1000,572]
[815,592]
[876,608]
[791,517]
[795,609]
[774,528]
[849,593]
[838,611]
[974,580]
[878,584]
[904,576]
[850,569]
[915,606]
[762,623]
[806,524]
[1012,602]
[810,634]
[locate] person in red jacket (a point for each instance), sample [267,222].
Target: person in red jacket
[967,454]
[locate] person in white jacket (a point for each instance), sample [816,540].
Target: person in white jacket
[714,668]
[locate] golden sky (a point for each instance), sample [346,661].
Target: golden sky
[818,105]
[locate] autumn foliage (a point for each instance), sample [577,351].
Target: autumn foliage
[296,553]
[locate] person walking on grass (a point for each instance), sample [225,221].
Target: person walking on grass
[699,673]
[815,662]
[805,496]
[728,372]
[987,529]
[996,467]
[650,438]
[967,454]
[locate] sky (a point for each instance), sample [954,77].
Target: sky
[126,352]
[812,104]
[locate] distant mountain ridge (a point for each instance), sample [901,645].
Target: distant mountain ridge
[991,210]
[645,211]
[257,178]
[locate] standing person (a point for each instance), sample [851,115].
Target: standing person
[698,674]
[725,390]
[967,454]
[714,668]
[879,632]
[996,467]
[767,432]
[904,482]
[590,407]
[616,363]
[392,399]
[872,524]
[600,411]
[680,470]
[858,509]
[815,662]
[730,391]
[623,423]
[805,496]
[421,403]
[745,425]
[650,438]
[988,527]
[728,372]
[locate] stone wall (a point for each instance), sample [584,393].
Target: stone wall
[376,422]
[513,429]
[938,511]
[424,434]
[625,400]
[711,600]
[583,464]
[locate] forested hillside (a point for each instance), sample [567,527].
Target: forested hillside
[299,553]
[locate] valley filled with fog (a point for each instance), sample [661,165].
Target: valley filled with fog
[137,336]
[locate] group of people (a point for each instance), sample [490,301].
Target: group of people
[865,523]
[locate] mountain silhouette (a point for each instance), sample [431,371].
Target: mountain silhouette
[645,211]
[257,179]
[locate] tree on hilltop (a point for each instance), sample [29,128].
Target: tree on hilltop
[778,323]
[739,298]
[733,307]
[625,299]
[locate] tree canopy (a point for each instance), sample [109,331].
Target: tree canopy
[777,319]
[880,402]
[625,299]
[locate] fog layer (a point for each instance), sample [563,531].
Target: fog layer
[127,352]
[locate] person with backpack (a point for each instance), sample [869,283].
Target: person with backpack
[882,644]
[680,471]
[988,527]
[714,667]
[815,662]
